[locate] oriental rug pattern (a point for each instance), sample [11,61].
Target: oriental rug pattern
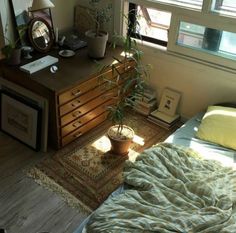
[85,172]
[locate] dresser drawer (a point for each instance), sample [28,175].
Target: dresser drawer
[86,118]
[68,107]
[91,83]
[79,132]
[83,110]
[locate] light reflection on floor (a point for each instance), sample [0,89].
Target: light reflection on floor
[103,144]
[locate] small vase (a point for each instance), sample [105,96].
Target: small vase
[15,57]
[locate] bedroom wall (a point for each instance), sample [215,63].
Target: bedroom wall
[63,13]
[199,84]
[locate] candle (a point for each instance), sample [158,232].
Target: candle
[56,35]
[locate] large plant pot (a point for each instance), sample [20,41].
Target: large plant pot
[96,44]
[120,143]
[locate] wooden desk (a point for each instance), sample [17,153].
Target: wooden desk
[75,93]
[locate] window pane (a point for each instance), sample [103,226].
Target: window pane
[228,42]
[221,43]
[194,4]
[153,23]
[224,7]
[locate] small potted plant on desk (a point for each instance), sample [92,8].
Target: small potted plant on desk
[127,87]
[97,38]
[12,51]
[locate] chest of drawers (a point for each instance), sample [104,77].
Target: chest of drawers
[78,94]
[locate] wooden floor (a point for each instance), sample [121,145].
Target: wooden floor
[26,207]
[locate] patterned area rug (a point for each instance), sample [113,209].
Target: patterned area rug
[85,172]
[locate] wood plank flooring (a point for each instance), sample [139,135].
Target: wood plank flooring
[25,206]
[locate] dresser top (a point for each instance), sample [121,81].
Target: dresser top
[71,71]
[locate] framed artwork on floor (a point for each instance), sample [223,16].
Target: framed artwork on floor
[21,119]
[169,102]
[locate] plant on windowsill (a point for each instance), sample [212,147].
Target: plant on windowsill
[96,37]
[127,86]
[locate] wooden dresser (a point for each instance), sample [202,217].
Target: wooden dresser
[78,95]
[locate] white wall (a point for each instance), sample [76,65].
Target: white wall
[199,84]
[63,13]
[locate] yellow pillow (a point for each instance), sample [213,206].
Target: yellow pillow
[219,126]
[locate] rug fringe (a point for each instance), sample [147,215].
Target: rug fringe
[48,183]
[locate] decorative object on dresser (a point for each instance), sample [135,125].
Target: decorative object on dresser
[40,35]
[39,64]
[42,9]
[97,38]
[20,19]
[93,171]
[12,47]
[21,119]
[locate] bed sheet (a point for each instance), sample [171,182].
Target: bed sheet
[185,136]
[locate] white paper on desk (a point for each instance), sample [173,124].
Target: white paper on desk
[39,64]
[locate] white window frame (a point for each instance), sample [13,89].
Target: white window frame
[204,17]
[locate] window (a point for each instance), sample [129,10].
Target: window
[188,27]
[224,7]
[209,40]
[152,24]
[194,4]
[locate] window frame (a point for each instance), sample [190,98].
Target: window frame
[133,9]
[205,17]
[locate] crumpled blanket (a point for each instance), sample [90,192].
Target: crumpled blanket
[171,189]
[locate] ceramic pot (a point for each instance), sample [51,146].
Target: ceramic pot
[15,57]
[120,143]
[96,44]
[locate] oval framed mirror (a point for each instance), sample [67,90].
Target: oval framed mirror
[40,34]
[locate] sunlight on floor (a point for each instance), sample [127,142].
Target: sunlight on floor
[138,140]
[103,144]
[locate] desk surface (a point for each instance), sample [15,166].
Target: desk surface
[71,71]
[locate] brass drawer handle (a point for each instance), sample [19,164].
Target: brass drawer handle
[77,135]
[76,114]
[76,93]
[75,104]
[76,124]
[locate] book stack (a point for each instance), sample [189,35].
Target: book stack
[163,120]
[145,102]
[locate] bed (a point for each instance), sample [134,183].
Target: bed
[182,185]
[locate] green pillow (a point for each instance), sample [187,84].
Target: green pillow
[218,125]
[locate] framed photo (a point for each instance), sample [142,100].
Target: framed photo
[20,119]
[169,102]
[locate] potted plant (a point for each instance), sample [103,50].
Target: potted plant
[96,37]
[127,87]
[12,51]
